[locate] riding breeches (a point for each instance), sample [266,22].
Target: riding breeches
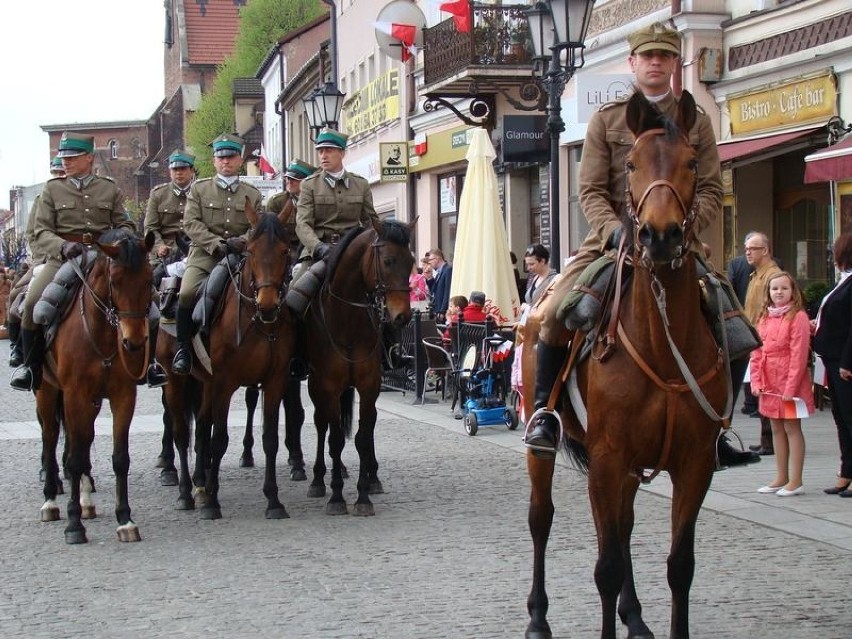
[197,270]
[553,331]
[39,282]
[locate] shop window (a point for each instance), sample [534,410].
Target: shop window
[449,195]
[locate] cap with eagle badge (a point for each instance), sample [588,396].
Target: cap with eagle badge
[299,170]
[655,37]
[227,145]
[72,144]
[181,160]
[331,139]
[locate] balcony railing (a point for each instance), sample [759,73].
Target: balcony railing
[500,36]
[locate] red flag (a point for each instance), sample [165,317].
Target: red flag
[263,164]
[461,13]
[405,33]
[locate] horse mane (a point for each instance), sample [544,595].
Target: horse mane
[391,231]
[269,225]
[131,252]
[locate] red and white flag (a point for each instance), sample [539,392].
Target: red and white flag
[405,33]
[460,9]
[264,165]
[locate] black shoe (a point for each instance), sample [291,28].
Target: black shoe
[182,363]
[836,490]
[755,414]
[748,410]
[22,379]
[16,357]
[16,352]
[544,436]
[156,375]
[729,456]
[845,493]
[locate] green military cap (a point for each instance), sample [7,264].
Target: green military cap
[299,170]
[655,37]
[329,138]
[73,144]
[181,160]
[226,145]
[56,164]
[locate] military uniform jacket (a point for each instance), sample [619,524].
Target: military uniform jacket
[602,181]
[164,214]
[214,214]
[284,204]
[325,211]
[38,256]
[66,210]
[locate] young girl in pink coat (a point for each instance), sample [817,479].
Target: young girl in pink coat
[779,371]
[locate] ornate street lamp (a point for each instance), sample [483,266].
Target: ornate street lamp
[322,107]
[558,26]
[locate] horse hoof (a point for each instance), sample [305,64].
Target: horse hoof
[50,513]
[211,513]
[88,512]
[375,488]
[129,532]
[168,478]
[336,508]
[316,491]
[363,510]
[538,634]
[184,504]
[75,537]
[298,474]
[277,513]
[246,461]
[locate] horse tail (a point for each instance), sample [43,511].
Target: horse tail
[577,454]
[347,403]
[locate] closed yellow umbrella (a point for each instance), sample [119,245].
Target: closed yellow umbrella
[481,260]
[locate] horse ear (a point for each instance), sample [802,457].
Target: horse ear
[251,212]
[687,112]
[641,114]
[149,241]
[413,224]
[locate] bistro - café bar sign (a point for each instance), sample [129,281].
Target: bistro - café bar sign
[803,101]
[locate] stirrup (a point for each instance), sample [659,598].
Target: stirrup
[528,428]
[22,384]
[155,375]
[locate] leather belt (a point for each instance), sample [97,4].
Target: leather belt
[84,238]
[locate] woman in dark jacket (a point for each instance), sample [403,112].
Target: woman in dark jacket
[833,343]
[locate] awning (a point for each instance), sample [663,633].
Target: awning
[833,163]
[734,149]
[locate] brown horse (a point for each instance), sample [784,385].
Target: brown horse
[251,343]
[100,351]
[655,401]
[366,287]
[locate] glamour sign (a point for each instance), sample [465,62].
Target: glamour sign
[525,138]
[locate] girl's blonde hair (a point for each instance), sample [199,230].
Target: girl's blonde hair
[797,300]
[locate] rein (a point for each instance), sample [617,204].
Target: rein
[234,275]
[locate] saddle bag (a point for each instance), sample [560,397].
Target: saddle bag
[302,291]
[715,290]
[169,289]
[210,292]
[59,293]
[582,307]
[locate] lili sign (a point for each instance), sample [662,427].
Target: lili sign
[394,157]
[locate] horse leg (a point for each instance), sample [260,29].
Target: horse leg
[629,608]
[606,497]
[80,413]
[48,415]
[317,487]
[122,407]
[294,418]
[540,520]
[368,472]
[166,458]
[218,446]
[247,457]
[203,426]
[271,406]
[336,439]
[180,418]
[688,491]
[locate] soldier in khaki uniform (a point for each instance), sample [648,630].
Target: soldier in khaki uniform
[37,256]
[164,218]
[288,200]
[72,213]
[215,221]
[654,51]
[332,201]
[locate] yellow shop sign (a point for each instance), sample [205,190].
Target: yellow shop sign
[374,105]
[797,102]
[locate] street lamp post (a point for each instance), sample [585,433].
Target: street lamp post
[557,28]
[323,104]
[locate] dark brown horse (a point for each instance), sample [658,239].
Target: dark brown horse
[656,401]
[367,286]
[251,343]
[100,352]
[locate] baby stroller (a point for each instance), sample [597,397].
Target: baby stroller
[483,391]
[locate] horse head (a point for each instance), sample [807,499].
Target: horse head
[125,288]
[662,169]
[268,262]
[386,269]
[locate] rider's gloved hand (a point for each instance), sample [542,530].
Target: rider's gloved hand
[236,245]
[220,251]
[322,249]
[614,238]
[70,250]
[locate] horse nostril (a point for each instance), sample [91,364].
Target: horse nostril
[645,235]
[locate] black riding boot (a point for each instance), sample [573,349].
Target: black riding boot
[156,375]
[299,361]
[544,436]
[28,376]
[16,350]
[182,363]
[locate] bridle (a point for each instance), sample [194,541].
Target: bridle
[255,287]
[634,210]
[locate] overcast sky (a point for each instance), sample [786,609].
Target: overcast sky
[66,62]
